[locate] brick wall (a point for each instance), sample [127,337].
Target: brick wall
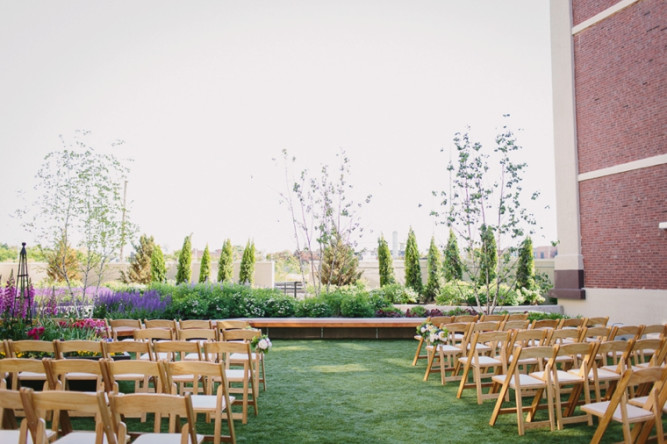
[584,9]
[620,67]
[621,243]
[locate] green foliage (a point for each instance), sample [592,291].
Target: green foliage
[413,274]
[226,262]
[247,270]
[538,315]
[397,294]
[63,263]
[386,267]
[453,269]
[285,263]
[184,262]
[339,264]
[488,257]
[140,264]
[158,266]
[8,254]
[434,281]
[525,270]
[455,293]
[316,307]
[205,266]
[418,311]
[357,306]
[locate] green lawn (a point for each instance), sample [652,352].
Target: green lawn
[366,391]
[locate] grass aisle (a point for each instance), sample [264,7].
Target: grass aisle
[366,391]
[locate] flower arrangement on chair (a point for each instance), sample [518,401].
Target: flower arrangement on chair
[261,343]
[432,334]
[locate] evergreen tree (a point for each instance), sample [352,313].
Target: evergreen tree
[525,271]
[140,263]
[226,262]
[413,274]
[434,272]
[247,271]
[184,262]
[205,268]
[386,266]
[158,267]
[452,266]
[339,263]
[63,263]
[488,257]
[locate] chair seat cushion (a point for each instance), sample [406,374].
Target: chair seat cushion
[635,414]
[208,402]
[162,438]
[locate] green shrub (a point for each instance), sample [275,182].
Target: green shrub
[418,311]
[280,307]
[397,294]
[537,315]
[357,306]
[455,293]
[313,308]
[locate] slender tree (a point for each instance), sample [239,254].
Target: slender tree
[452,266]
[158,266]
[339,264]
[434,282]
[488,258]
[525,271]
[413,274]
[226,262]
[140,263]
[205,267]
[63,263]
[184,262]
[247,271]
[386,267]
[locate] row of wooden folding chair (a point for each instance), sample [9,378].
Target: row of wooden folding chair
[127,327]
[109,425]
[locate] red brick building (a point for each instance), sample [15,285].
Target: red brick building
[609,62]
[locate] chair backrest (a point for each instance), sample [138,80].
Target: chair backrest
[529,338]
[595,333]
[197,333]
[459,333]
[161,323]
[57,400]
[647,351]
[599,321]
[493,317]
[614,349]
[582,353]
[18,349]
[559,336]
[114,369]
[204,371]
[241,335]
[158,403]
[465,318]
[626,331]
[232,324]
[654,331]
[517,316]
[572,322]
[439,320]
[221,350]
[540,354]
[135,323]
[137,348]
[519,324]
[153,333]
[194,323]
[486,326]
[545,323]
[12,366]
[176,350]
[64,348]
[10,401]
[496,341]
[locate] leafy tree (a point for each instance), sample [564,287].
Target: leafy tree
[205,268]
[385,263]
[8,254]
[79,204]
[434,281]
[247,270]
[525,270]
[339,264]
[484,207]
[185,262]
[452,266]
[63,263]
[226,262]
[286,263]
[158,266]
[140,263]
[413,274]
[321,208]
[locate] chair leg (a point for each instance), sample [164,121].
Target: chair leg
[418,352]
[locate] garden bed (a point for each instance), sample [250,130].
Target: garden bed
[337,328]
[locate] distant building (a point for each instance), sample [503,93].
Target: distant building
[545,252]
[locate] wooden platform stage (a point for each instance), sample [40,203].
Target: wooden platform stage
[337,328]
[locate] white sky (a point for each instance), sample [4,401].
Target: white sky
[206,93]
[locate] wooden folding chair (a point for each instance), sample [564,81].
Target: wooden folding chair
[488,351]
[465,318]
[93,404]
[517,316]
[599,321]
[194,323]
[198,335]
[517,324]
[525,386]
[572,323]
[174,407]
[493,317]
[606,376]
[122,328]
[208,403]
[153,334]
[178,351]
[244,375]
[30,369]
[545,323]
[527,338]
[169,324]
[448,354]
[60,372]
[10,401]
[247,335]
[576,379]
[29,347]
[620,410]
